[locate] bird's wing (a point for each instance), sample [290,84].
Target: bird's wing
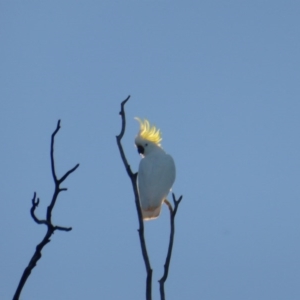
[155,179]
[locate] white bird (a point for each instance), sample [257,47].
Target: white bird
[156,173]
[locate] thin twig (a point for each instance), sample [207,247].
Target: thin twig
[133,177]
[35,204]
[171,241]
[48,221]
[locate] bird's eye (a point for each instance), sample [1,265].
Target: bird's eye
[146,144]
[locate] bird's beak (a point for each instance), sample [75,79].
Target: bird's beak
[140,149]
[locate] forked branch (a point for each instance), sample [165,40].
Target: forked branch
[171,241]
[133,177]
[48,221]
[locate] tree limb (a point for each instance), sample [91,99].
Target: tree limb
[171,241]
[48,221]
[133,177]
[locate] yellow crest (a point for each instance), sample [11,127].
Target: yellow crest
[149,132]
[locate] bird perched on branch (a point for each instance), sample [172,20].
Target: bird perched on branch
[156,173]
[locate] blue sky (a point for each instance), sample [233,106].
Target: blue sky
[221,81]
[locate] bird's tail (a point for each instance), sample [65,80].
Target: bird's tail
[151,214]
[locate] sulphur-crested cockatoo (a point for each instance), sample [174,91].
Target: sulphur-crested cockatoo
[156,173]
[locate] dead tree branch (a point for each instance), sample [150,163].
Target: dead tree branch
[171,241]
[48,221]
[133,177]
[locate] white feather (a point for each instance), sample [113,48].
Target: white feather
[155,178]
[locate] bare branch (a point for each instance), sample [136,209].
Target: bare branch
[68,173]
[176,203]
[171,241]
[52,151]
[122,114]
[120,136]
[48,222]
[62,228]
[133,177]
[35,203]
